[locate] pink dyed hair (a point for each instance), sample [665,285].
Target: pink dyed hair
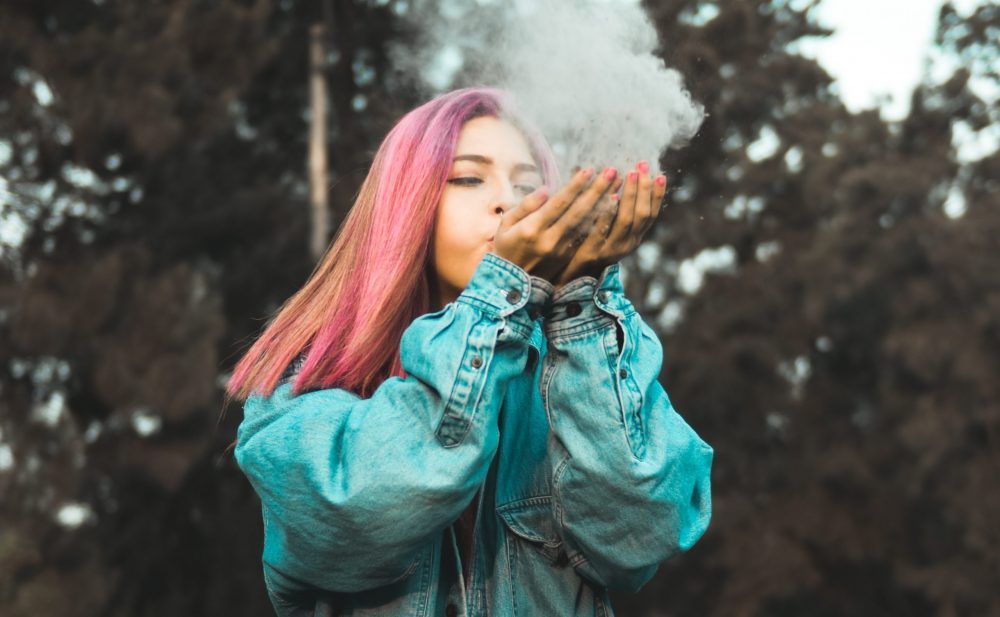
[374,279]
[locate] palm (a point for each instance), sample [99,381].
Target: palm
[618,226]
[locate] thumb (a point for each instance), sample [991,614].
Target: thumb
[531,202]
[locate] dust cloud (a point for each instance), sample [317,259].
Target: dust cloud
[583,72]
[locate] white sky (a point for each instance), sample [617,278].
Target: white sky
[877,49]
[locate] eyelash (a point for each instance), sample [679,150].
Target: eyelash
[527,188]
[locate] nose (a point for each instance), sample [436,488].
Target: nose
[504,200]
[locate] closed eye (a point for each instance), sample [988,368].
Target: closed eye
[470,181]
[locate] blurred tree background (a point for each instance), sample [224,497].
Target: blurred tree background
[826,285]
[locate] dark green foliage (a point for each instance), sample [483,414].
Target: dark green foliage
[845,370]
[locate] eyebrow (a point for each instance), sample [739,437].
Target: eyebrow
[485,160]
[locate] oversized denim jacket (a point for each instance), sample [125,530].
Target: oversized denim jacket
[547,401]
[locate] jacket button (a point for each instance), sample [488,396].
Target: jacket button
[451,610]
[477,362]
[513,296]
[573,309]
[623,373]
[603,295]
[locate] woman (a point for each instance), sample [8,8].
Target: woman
[510,452]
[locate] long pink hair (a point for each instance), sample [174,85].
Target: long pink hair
[376,277]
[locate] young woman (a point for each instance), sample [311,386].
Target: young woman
[459,412]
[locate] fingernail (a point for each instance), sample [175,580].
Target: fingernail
[643,167]
[610,173]
[633,176]
[615,197]
[586,172]
[661,181]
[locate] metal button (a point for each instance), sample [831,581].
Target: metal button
[477,362]
[604,295]
[451,610]
[513,296]
[573,309]
[623,373]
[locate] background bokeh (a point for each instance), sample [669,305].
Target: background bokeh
[826,284]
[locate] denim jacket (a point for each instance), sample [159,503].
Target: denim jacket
[548,401]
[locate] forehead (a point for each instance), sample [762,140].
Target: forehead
[495,138]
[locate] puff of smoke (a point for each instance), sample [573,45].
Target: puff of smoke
[584,72]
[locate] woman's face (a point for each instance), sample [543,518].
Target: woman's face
[492,172]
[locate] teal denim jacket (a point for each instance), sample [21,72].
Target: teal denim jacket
[547,401]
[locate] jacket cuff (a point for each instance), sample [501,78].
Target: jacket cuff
[586,298]
[505,290]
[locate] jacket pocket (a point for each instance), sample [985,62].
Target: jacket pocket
[531,519]
[542,579]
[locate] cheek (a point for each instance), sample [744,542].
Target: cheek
[458,226]
[458,243]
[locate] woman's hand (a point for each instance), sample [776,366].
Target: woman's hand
[610,240]
[541,234]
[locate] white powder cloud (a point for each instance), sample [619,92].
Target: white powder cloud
[584,72]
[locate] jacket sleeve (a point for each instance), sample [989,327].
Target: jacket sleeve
[353,491]
[631,479]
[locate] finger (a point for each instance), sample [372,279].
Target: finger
[617,185]
[604,219]
[659,190]
[608,221]
[554,209]
[582,207]
[644,201]
[592,245]
[602,216]
[531,203]
[626,207]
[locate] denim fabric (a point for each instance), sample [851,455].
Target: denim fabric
[548,400]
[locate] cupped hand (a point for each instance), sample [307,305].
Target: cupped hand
[541,234]
[618,225]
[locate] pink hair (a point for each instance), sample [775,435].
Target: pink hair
[374,279]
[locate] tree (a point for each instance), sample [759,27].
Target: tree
[156,165]
[839,352]
[842,366]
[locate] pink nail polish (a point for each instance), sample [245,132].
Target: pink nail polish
[610,173]
[661,181]
[633,176]
[643,167]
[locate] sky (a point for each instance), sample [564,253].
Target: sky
[878,48]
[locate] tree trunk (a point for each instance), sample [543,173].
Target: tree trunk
[317,142]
